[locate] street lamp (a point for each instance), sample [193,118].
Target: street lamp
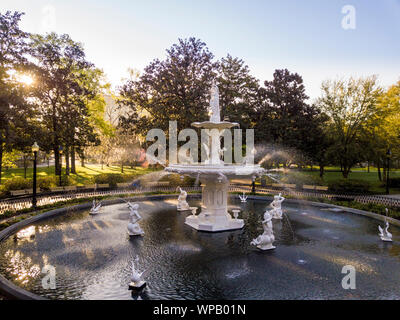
[388,154]
[35,150]
[60,150]
[253,185]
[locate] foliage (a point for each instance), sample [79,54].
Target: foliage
[393,182]
[349,186]
[349,105]
[299,178]
[18,183]
[113,178]
[176,88]
[175,180]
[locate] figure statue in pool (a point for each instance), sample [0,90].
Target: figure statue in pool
[265,240]
[134,216]
[182,203]
[276,205]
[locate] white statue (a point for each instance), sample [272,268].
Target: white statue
[384,233]
[214,111]
[136,278]
[265,240]
[276,205]
[182,203]
[95,208]
[134,216]
[243,198]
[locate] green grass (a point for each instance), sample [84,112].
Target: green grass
[334,174]
[83,174]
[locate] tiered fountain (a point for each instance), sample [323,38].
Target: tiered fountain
[215,175]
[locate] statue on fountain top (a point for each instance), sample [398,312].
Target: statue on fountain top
[214,110]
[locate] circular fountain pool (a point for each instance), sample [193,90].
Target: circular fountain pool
[92,255]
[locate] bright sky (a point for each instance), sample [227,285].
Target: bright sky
[304,36]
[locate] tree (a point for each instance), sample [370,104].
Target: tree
[15,111]
[64,89]
[284,118]
[239,91]
[349,105]
[176,88]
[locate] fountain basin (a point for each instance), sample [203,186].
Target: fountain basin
[92,254]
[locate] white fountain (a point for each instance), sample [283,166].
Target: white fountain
[214,175]
[137,281]
[243,198]
[384,233]
[95,208]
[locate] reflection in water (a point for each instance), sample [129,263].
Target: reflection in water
[92,256]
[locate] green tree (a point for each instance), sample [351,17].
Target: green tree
[350,105]
[64,88]
[239,91]
[15,111]
[176,88]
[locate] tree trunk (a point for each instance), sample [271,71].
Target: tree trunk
[56,161]
[73,166]
[82,155]
[321,170]
[25,165]
[378,163]
[122,167]
[368,165]
[67,161]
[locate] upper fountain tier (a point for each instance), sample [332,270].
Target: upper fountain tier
[215,114]
[214,166]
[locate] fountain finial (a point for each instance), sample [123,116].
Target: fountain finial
[214,110]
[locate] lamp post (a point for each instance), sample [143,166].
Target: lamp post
[388,154]
[60,150]
[253,185]
[35,149]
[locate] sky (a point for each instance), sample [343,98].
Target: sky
[311,37]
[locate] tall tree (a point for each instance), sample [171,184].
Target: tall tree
[176,88]
[14,107]
[349,105]
[239,91]
[285,118]
[62,92]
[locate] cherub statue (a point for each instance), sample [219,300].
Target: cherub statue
[134,216]
[265,240]
[182,203]
[276,205]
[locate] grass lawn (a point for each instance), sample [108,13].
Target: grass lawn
[332,174]
[83,174]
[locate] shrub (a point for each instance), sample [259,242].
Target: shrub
[113,178]
[349,186]
[17,183]
[393,182]
[65,180]
[175,180]
[46,183]
[299,179]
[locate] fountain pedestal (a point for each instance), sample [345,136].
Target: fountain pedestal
[214,215]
